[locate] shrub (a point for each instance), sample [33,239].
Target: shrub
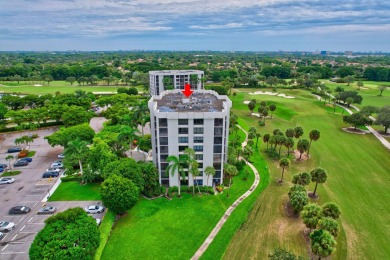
[272,153]
[219,188]
[23,153]
[240,164]
[261,123]
[76,177]
[35,136]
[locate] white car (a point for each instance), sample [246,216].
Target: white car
[93,209]
[61,156]
[6,226]
[53,169]
[7,180]
[56,165]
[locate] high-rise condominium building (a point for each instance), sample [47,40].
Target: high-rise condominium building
[174,79]
[200,122]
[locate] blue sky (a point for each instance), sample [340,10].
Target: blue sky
[226,25]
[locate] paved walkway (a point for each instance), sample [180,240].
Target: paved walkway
[229,211]
[372,130]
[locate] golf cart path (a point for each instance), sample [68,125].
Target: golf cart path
[229,211]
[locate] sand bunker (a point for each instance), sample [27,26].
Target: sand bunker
[270,94]
[37,85]
[246,102]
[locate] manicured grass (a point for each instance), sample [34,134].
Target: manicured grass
[163,229]
[13,173]
[358,177]
[75,191]
[31,153]
[105,230]
[53,87]
[369,92]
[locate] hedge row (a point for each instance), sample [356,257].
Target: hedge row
[14,128]
[189,189]
[71,178]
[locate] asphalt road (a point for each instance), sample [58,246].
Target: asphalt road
[28,190]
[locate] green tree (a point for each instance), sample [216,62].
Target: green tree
[349,80]
[127,168]
[209,171]
[311,214]
[314,135]
[330,225]
[290,132]
[77,150]
[349,101]
[63,136]
[331,210]
[251,106]
[258,135]
[230,171]
[289,143]
[302,146]
[302,178]
[272,108]
[298,199]
[71,80]
[150,176]
[298,132]
[318,175]
[284,163]
[127,136]
[266,138]
[119,194]
[3,111]
[71,234]
[322,243]
[384,117]
[100,154]
[9,159]
[359,84]
[75,115]
[176,166]
[357,119]
[381,89]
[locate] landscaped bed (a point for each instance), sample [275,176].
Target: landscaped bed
[73,190]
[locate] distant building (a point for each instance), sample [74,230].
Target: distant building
[200,122]
[324,53]
[174,79]
[348,53]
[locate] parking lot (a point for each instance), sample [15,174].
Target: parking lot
[28,190]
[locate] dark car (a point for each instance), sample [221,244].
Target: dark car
[19,210]
[20,163]
[27,159]
[50,174]
[14,149]
[1,169]
[3,165]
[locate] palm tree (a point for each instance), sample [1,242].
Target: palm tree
[127,136]
[314,136]
[209,171]
[143,121]
[231,171]
[258,135]
[289,143]
[77,150]
[176,165]
[266,138]
[9,158]
[318,175]
[272,108]
[194,170]
[281,141]
[359,84]
[251,106]
[302,146]
[284,163]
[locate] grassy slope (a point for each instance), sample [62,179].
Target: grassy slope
[75,191]
[61,86]
[180,225]
[357,176]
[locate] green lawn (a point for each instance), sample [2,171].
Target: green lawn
[54,86]
[369,92]
[75,191]
[358,175]
[13,173]
[163,229]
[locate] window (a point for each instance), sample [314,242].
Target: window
[218,122]
[198,121]
[199,157]
[164,166]
[198,130]
[218,130]
[163,131]
[217,149]
[182,148]
[217,157]
[163,122]
[183,131]
[163,140]
[217,140]
[217,174]
[200,165]
[217,166]
[198,139]
[199,182]
[183,121]
[163,157]
[198,148]
[163,149]
[183,140]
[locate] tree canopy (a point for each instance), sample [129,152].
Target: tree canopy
[62,137]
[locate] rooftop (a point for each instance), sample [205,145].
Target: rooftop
[170,72]
[199,101]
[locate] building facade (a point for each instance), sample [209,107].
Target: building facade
[200,122]
[174,79]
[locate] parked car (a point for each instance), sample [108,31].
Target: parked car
[19,210]
[51,174]
[14,149]
[57,162]
[20,163]
[3,165]
[1,235]
[61,156]
[7,180]
[47,210]
[57,165]
[93,209]
[6,226]
[27,159]
[53,169]
[1,169]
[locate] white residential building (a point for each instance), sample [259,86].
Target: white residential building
[200,122]
[174,79]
